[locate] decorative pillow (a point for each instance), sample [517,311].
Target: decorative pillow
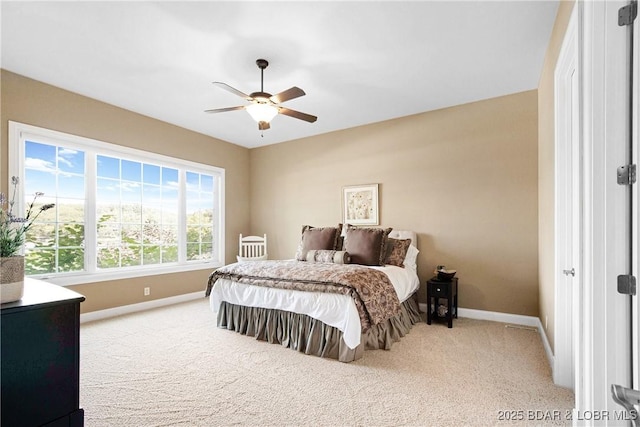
[334,257]
[317,238]
[397,251]
[367,246]
[410,259]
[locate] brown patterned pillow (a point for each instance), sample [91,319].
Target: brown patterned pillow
[367,246]
[325,238]
[397,251]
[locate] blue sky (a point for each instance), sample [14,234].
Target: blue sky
[118,179]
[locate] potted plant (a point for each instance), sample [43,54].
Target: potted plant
[13,229]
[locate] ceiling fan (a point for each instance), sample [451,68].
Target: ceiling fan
[264,106]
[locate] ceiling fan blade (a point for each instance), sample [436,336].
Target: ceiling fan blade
[222,110]
[297,114]
[291,93]
[263,125]
[232,90]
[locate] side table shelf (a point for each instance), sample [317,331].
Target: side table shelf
[437,290]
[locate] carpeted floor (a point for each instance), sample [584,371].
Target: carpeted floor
[173,367]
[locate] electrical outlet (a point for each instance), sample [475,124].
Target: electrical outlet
[147,291]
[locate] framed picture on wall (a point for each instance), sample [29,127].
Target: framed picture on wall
[360,204]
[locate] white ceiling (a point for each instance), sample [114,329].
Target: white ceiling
[359,62]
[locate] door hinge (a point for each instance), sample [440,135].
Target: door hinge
[627,175]
[626,284]
[627,14]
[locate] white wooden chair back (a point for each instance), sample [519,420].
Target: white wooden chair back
[252,248]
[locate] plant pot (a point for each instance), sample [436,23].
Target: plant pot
[11,278]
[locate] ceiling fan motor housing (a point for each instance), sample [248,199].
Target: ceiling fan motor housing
[262,63]
[261,97]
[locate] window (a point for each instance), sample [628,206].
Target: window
[118,213]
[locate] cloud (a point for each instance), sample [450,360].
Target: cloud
[65,161]
[129,186]
[39,164]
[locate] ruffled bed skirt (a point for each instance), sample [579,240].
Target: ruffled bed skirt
[310,336]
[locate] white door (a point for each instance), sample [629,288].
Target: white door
[567,204]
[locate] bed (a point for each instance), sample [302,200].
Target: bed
[326,302]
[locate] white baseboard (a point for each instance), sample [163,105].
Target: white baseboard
[495,316]
[547,347]
[132,308]
[514,319]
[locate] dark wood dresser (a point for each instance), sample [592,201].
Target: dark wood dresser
[40,357]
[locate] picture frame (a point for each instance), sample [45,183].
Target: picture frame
[360,204]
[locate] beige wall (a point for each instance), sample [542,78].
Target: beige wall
[31,102]
[464,178]
[546,171]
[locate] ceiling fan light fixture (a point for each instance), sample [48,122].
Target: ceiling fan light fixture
[262,112]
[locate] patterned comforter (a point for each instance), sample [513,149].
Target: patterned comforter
[372,292]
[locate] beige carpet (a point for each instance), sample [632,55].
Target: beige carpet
[173,367]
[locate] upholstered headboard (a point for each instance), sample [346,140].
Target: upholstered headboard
[405,234]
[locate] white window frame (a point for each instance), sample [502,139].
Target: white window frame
[19,132]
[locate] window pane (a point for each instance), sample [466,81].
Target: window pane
[108,167]
[108,234]
[69,210]
[169,235]
[151,195]
[39,262]
[39,156]
[71,235]
[170,177]
[41,236]
[107,213]
[193,181]
[151,174]
[107,190]
[151,255]
[131,256]
[71,259]
[131,234]
[131,192]
[71,161]
[207,183]
[108,257]
[170,253]
[152,234]
[131,171]
[71,186]
[151,214]
[39,181]
[193,251]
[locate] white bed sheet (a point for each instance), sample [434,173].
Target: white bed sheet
[335,310]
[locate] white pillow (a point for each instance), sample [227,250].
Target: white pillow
[411,257]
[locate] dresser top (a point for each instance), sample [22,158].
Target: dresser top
[39,293]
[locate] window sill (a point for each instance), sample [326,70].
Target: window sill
[102,276]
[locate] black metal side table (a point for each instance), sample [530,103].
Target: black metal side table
[437,289]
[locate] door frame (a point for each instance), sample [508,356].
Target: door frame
[568,154]
[604,342]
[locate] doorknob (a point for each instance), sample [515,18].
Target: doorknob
[571,272]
